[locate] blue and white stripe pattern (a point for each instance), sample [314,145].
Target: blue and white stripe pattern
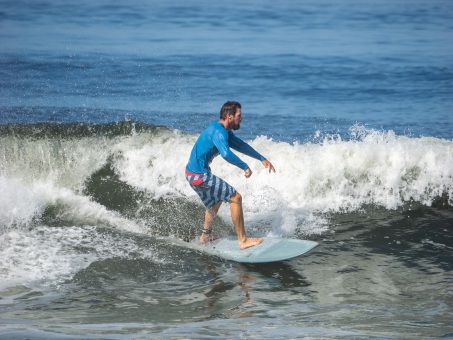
[210,188]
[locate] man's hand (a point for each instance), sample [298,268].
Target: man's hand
[268,165]
[248,173]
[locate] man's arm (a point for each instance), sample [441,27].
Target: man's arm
[220,140]
[241,146]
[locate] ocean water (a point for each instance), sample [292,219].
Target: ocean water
[100,104]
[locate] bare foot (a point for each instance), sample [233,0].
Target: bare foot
[250,242]
[205,238]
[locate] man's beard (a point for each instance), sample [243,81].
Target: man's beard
[237,126]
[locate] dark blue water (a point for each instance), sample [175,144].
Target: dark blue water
[386,65]
[100,103]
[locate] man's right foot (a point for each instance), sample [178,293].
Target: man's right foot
[250,242]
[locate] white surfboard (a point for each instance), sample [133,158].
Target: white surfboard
[272,249]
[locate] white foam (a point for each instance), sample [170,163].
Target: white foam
[35,174]
[155,164]
[19,204]
[337,175]
[50,255]
[374,167]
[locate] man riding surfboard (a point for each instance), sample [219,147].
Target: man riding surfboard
[217,139]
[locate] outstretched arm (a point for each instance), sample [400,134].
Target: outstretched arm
[241,146]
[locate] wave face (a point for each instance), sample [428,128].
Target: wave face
[130,176]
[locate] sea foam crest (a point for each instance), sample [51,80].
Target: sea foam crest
[372,168]
[333,175]
[376,167]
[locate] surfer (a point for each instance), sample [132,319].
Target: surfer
[217,139]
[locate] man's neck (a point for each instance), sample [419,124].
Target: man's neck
[225,124]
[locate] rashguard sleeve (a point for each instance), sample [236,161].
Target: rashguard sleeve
[221,142]
[241,146]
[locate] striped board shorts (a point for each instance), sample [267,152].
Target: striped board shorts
[210,188]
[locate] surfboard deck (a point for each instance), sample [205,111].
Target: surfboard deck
[272,249]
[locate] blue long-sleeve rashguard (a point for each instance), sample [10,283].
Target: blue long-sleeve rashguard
[215,140]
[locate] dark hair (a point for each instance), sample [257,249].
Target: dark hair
[229,108]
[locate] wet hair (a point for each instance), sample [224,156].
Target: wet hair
[229,108]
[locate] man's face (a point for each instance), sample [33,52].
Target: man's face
[237,119]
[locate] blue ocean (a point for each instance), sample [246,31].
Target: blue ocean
[100,104]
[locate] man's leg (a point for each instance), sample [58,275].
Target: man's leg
[238,220]
[209,216]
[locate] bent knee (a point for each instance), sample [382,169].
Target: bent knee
[236,198]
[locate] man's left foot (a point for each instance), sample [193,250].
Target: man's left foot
[250,242]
